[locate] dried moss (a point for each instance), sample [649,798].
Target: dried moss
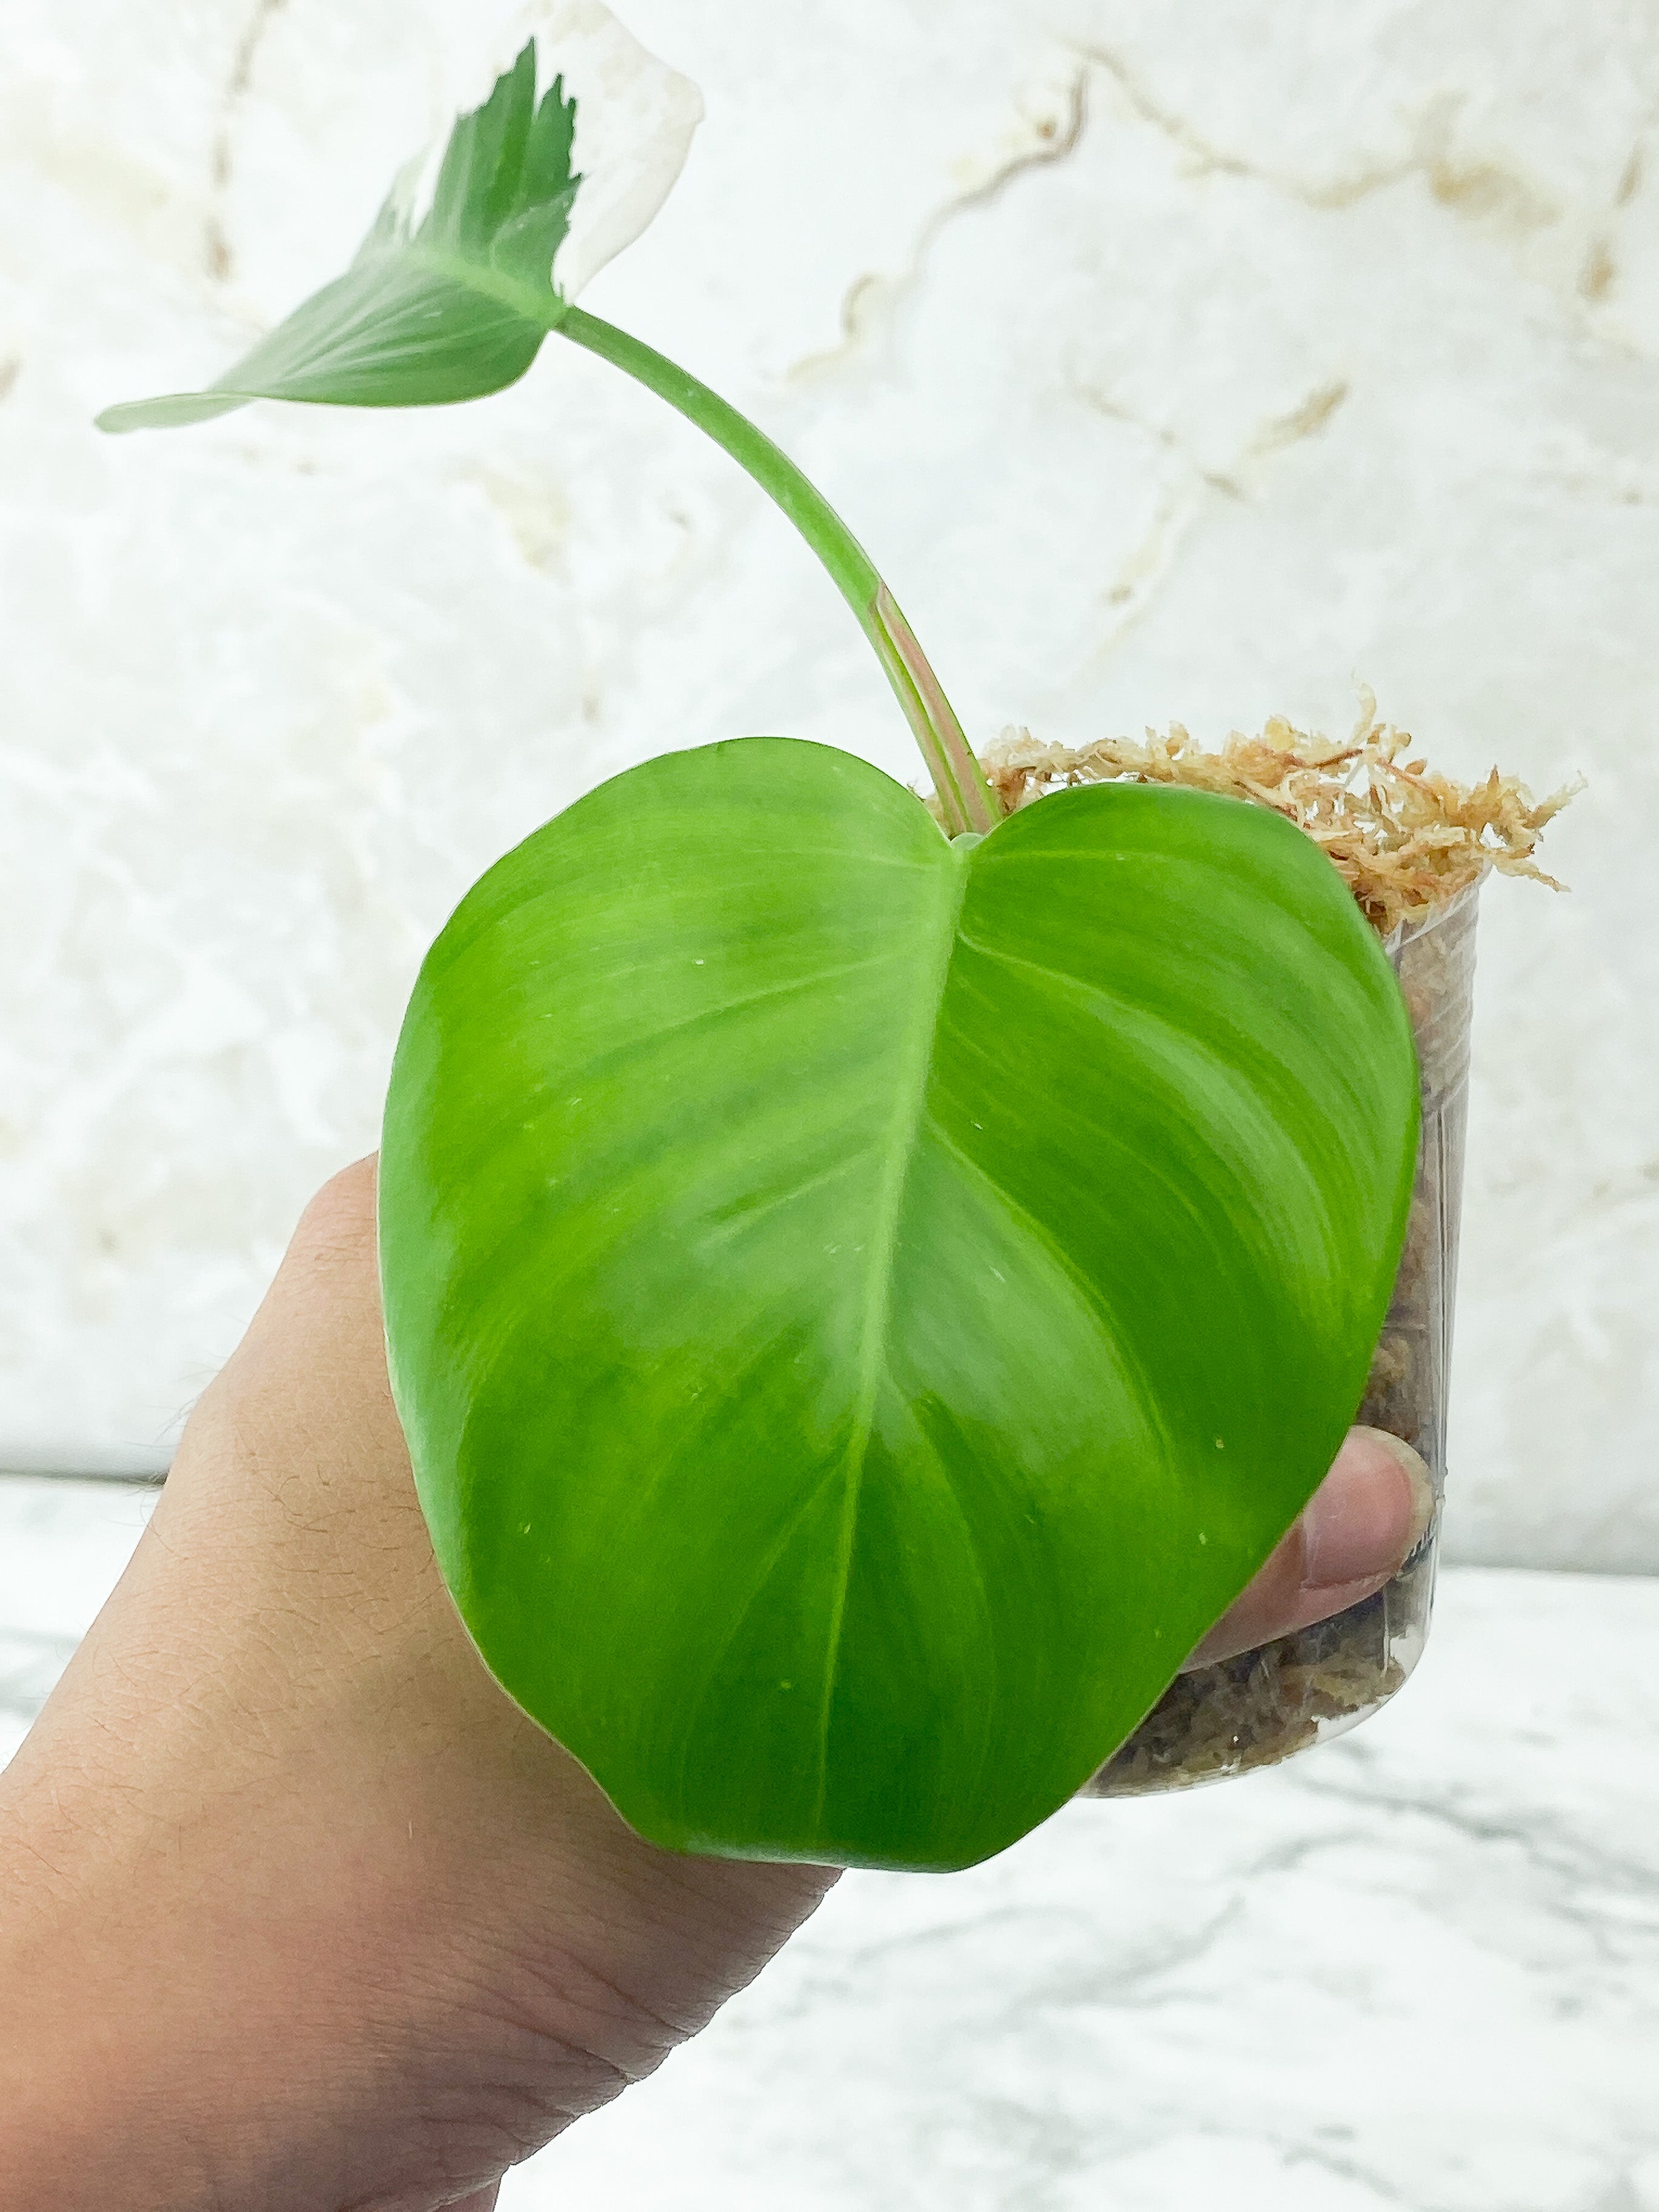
[1402,836]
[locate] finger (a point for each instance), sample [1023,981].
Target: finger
[1365,1520]
[332,1251]
[314,1351]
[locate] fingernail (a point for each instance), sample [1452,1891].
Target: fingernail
[1370,1513]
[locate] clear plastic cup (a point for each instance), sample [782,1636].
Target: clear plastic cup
[1264,1705]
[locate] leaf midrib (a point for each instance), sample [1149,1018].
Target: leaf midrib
[484,277]
[910,1109]
[542,311]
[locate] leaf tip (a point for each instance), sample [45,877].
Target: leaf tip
[172,410]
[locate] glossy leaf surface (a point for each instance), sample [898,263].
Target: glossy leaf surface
[861,1307]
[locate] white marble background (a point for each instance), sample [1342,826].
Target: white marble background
[1175,362]
[1416,1968]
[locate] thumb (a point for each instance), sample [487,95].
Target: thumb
[1363,1522]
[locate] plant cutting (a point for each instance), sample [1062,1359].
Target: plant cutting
[866,1285]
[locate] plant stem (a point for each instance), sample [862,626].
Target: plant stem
[966,800]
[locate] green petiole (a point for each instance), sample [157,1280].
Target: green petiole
[459,305]
[966,800]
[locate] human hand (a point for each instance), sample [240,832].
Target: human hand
[298,1912]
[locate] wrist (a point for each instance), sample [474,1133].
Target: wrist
[72,2059]
[389,1935]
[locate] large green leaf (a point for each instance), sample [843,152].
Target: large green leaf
[861,1307]
[446,308]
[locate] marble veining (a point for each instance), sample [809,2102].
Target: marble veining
[1417,1967]
[1168,375]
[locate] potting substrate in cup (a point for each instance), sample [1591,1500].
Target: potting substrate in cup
[1414,847]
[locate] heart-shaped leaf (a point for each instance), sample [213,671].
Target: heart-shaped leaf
[862,1306]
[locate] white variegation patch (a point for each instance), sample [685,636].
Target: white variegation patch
[635,118]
